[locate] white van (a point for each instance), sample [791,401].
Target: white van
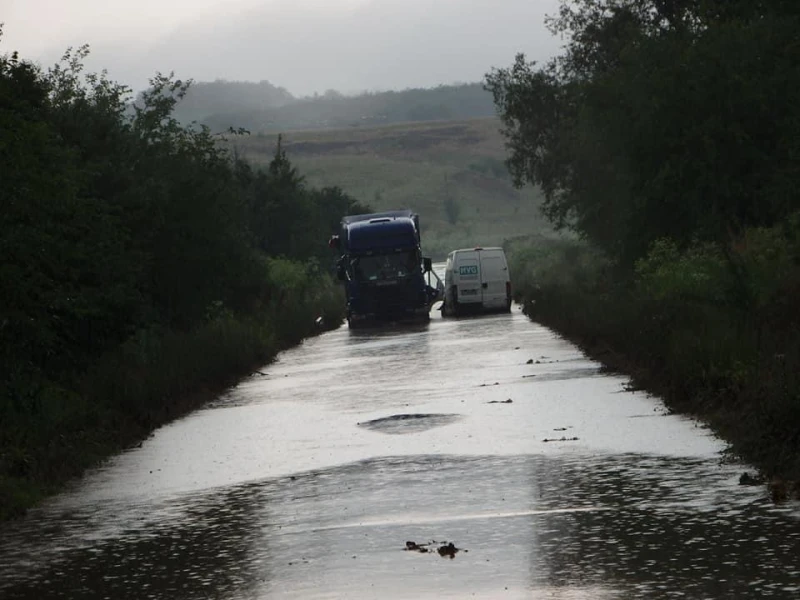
[477,279]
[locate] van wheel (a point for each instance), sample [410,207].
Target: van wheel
[449,309]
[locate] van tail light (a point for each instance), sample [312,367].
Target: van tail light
[508,290]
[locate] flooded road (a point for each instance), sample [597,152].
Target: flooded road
[308,479]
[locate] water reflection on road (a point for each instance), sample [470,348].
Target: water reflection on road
[307,481]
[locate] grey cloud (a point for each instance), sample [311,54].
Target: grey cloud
[382,44]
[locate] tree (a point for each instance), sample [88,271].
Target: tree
[661,119]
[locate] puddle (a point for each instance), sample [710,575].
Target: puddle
[411,423]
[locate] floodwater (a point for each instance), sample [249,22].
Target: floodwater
[308,478]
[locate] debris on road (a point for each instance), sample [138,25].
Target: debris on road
[449,550]
[632,387]
[780,490]
[445,549]
[509,401]
[561,439]
[747,479]
[414,546]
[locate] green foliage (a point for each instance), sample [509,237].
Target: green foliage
[698,274]
[138,265]
[540,263]
[666,137]
[628,136]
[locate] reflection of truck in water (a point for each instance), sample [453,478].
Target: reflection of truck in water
[383,269]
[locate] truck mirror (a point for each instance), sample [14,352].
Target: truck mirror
[427,265]
[334,243]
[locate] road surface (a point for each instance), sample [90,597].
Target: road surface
[308,479]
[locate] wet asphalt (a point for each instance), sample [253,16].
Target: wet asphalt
[308,479]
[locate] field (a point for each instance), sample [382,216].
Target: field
[451,172]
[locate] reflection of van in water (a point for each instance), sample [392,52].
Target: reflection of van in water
[476,279]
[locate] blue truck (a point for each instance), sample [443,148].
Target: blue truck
[383,270]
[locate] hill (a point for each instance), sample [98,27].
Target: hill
[451,172]
[205,99]
[333,110]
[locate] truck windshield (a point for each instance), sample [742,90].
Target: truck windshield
[385,266]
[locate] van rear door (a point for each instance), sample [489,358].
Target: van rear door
[467,270]
[494,275]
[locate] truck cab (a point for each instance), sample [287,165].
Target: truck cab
[382,267]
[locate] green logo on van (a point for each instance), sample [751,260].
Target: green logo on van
[468,270]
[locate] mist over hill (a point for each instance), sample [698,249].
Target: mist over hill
[264,107]
[207,98]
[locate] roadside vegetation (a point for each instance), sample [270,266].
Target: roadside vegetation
[666,140]
[142,268]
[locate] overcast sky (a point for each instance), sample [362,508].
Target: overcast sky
[302,45]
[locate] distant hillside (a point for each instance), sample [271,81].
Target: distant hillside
[451,172]
[205,99]
[333,110]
